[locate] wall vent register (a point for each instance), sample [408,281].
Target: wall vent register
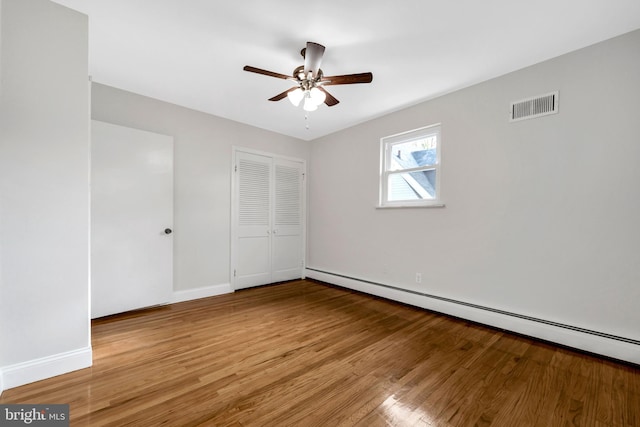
[537,106]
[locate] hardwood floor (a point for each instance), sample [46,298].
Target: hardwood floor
[306,354]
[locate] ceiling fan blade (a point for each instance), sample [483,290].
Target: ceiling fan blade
[330,100]
[282,95]
[347,79]
[265,72]
[312,58]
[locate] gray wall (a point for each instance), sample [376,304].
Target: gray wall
[202,174]
[541,216]
[44,191]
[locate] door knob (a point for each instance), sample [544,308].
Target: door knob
[168,231]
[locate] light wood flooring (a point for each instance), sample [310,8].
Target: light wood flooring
[306,354]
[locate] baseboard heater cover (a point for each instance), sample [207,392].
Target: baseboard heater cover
[628,349]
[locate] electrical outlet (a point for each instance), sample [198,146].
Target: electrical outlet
[418,277]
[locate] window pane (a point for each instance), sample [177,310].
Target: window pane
[420,185]
[413,154]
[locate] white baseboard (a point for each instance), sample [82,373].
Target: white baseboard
[46,367]
[604,344]
[204,292]
[1,382]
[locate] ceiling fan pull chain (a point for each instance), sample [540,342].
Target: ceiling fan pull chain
[306,121]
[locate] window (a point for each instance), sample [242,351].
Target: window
[410,168]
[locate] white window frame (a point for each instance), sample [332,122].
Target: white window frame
[386,149]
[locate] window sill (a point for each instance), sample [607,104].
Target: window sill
[408,205]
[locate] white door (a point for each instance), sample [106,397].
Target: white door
[252,220]
[267,220]
[286,240]
[131,219]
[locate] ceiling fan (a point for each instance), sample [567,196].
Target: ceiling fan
[310,80]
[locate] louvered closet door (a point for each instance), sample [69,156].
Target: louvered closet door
[252,219]
[287,221]
[268,220]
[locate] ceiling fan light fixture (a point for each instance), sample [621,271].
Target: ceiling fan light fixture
[295,96]
[317,95]
[309,104]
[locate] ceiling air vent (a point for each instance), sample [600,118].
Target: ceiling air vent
[536,106]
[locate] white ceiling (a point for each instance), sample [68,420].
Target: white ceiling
[191,52]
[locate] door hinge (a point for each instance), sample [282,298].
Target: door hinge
[303,175]
[234,273]
[236,168]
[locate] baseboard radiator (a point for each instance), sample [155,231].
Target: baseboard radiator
[592,341]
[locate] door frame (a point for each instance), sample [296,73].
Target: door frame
[233,258]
